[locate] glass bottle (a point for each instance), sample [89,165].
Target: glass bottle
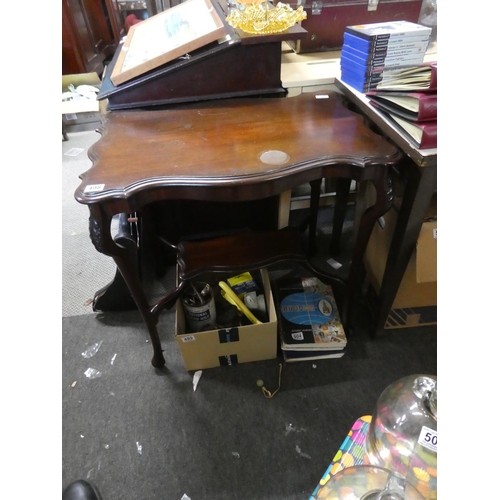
[402,435]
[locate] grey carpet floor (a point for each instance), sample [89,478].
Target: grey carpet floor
[84,269]
[141,433]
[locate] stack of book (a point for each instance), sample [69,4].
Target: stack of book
[371,51]
[308,320]
[411,105]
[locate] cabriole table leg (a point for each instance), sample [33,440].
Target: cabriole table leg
[100,234]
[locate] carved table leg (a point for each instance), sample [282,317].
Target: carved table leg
[341,199]
[100,234]
[115,296]
[313,214]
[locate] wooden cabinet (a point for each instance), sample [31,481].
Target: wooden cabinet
[91,30]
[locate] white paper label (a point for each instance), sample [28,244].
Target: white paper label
[93,188]
[334,263]
[322,96]
[428,438]
[298,336]
[189,338]
[74,152]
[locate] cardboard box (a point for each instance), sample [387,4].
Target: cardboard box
[81,114]
[229,346]
[415,303]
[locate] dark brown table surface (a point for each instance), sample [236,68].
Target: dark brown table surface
[216,147]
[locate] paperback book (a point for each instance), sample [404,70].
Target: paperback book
[308,316]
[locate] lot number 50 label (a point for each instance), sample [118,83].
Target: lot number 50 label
[428,438]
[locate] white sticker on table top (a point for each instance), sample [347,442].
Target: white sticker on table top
[93,188]
[189,338]
[435,233]
[74,152]
[322,96]
[428,438]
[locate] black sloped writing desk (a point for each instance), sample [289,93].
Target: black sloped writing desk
[229,150]
[421,184]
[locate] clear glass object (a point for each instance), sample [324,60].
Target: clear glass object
[367,482]
[402,435]
[428,17]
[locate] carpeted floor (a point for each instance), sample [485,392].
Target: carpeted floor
[84,269]
[142,433]
[139,433]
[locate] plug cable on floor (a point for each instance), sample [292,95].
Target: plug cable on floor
[268,394]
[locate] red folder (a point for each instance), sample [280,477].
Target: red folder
[414,106]
[423,135]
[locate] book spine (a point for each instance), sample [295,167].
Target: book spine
[376,60]
[361,68]
[379,60]
[427,110]
[361,72]
[427,107]
[385,37]
[357,84]
[433,83]
[395,41]
[428,130]
[404,50]
[392,74]
[429,135]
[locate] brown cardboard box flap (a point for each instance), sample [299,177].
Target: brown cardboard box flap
[426,253]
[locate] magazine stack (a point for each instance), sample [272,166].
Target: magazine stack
[309,322]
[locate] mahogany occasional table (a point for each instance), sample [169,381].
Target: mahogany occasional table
[229,150]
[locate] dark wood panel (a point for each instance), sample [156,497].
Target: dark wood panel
[89,33]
